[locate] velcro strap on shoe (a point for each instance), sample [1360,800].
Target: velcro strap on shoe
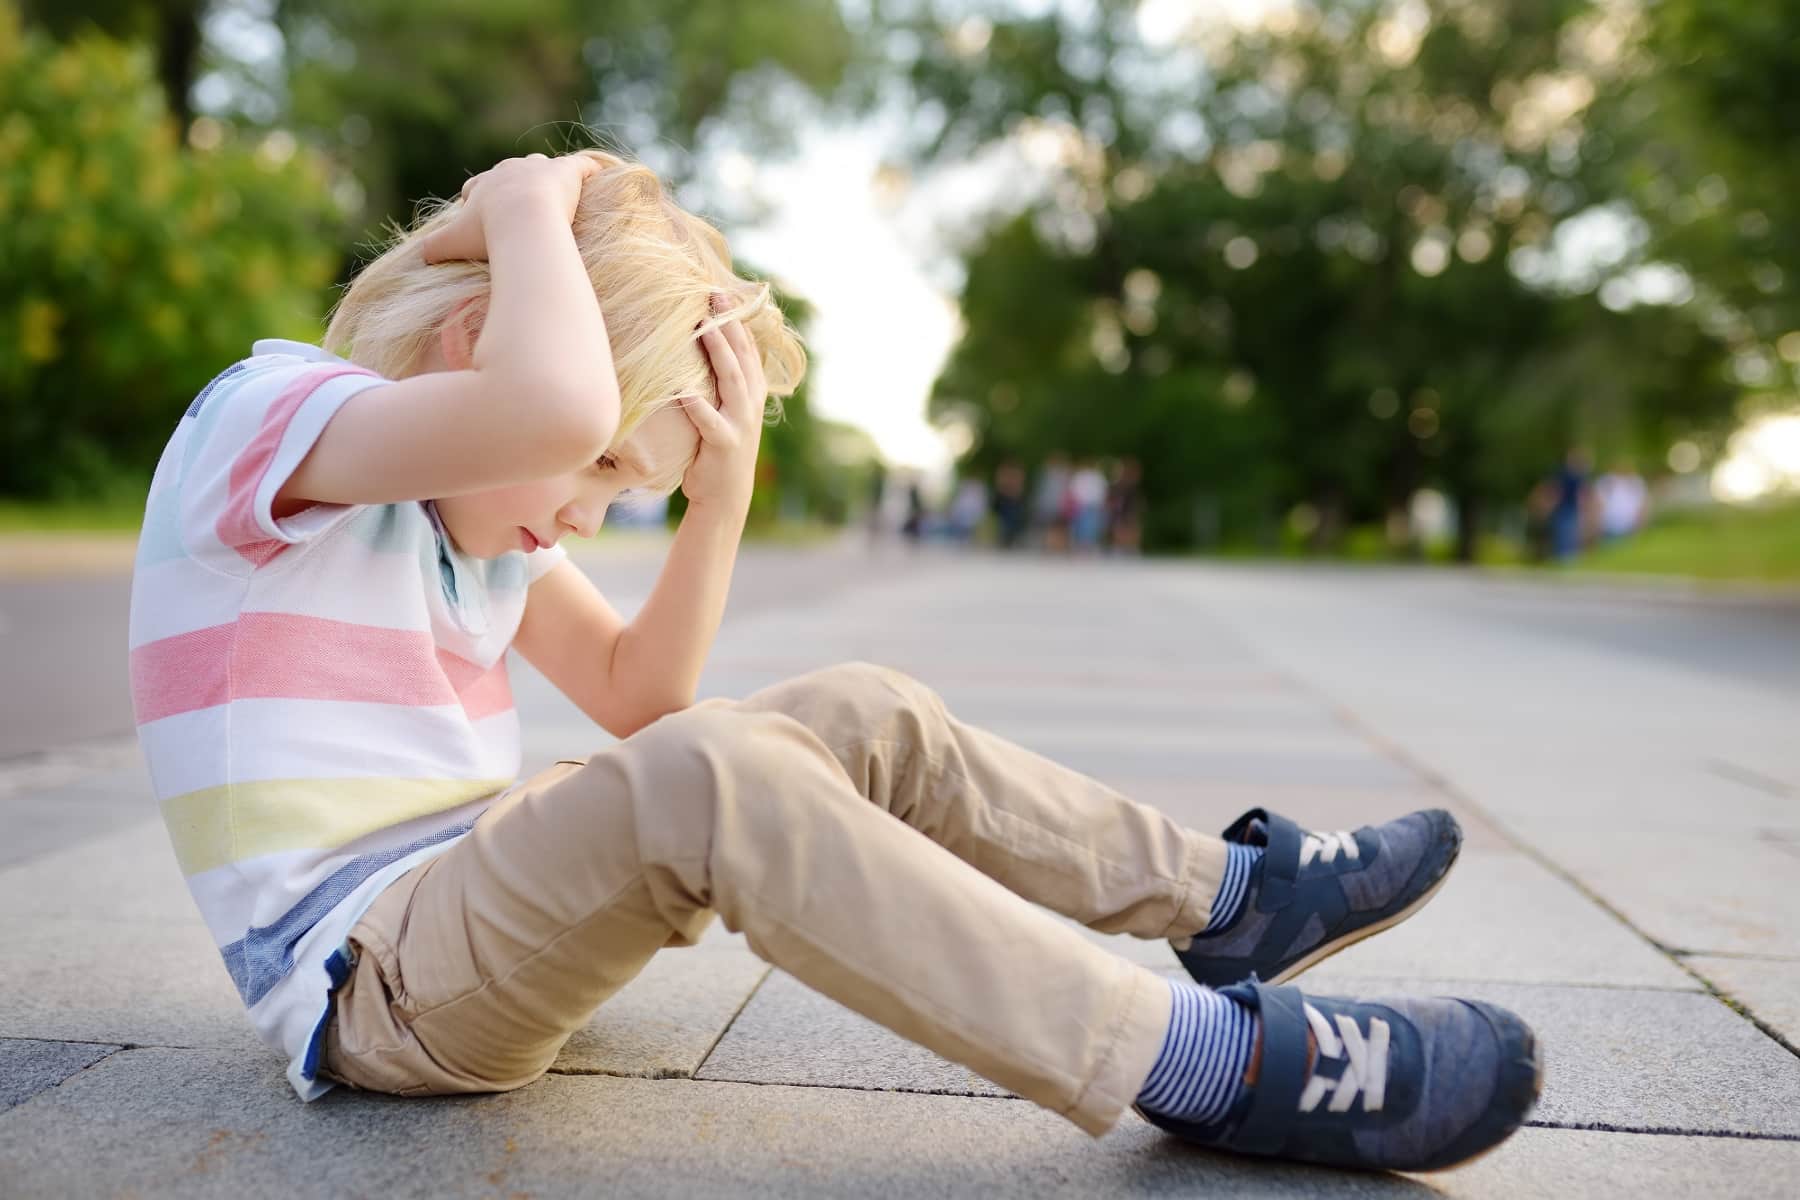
[1275,1097]
[1280,863]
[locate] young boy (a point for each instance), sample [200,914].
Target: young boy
[338,552]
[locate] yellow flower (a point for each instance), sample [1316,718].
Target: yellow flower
[156,180]
[50,183]
[15,133]
[38,320]
[65,73]
[9,32]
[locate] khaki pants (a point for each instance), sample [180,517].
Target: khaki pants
[861,838]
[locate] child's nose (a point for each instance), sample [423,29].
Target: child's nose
[584,520]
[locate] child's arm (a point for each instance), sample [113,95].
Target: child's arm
[626,676]
[541,397]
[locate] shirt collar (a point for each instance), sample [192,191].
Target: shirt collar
[299,349]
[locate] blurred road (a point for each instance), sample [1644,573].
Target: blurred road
[62,640]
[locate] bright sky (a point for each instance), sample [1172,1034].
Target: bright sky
[881,327]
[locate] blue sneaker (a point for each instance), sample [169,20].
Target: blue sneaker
[1406,1084]
[1313,894]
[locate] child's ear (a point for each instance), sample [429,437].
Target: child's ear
[457,337]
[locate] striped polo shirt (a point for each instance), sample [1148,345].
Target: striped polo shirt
[322,699]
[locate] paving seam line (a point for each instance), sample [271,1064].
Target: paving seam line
[1400,755]
[1664,1131]
[732,1020]
[1404,758]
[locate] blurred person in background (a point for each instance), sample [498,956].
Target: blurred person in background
[1570,505]
[912,526]
[1086,506]
[968,508]
[1623,501]
[1048,515]
[1009,503]
[1125,508]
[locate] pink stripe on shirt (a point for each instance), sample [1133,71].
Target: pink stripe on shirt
[271,655]
[237,526]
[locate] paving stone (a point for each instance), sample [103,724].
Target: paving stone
[28,1066]
[1504,917]
[42,820]
[1555,1164]
[1204,768]
[1501,917]
[789,1033]
[1202,711]
[137,982]
[128,874]
[230,1128]
[1726,892]
[1602,784]
[1104,733]
[662,1024]
[1768,988]
[1635,1060]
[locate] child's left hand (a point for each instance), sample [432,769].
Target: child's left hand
[724,471]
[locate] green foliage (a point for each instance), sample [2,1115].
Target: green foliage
[1712,157]
[1323,291]
[419,100]
[128,274]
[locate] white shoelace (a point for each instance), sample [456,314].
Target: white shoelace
[1366,1071]
[1325,847]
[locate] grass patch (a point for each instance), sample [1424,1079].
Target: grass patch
[792,533]
[1719,542]
[120,515]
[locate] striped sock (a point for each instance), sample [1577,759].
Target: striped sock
[1235,888]
[1200,1069]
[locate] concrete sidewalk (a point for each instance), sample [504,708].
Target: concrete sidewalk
[1631,885]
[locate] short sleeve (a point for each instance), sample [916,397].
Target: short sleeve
[249,430]
[540,562]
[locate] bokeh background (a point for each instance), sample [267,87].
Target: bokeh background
[1497,281]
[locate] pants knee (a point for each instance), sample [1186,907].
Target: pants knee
[873,692]
[695,764]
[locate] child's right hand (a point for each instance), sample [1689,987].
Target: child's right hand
[509,186]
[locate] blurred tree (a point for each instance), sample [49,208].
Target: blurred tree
[1709,135]
[1328,244]
[127,275]
[419,101]
[170,27]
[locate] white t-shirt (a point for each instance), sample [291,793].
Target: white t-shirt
[322,700]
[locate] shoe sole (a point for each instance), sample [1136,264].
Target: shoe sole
[1327,949]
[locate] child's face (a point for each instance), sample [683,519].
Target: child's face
[488,524]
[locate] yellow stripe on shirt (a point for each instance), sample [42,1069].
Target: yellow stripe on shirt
[219,825]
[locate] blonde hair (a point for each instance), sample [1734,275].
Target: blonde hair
[654,267]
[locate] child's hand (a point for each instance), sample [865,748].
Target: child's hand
[724,471]
[505,187]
